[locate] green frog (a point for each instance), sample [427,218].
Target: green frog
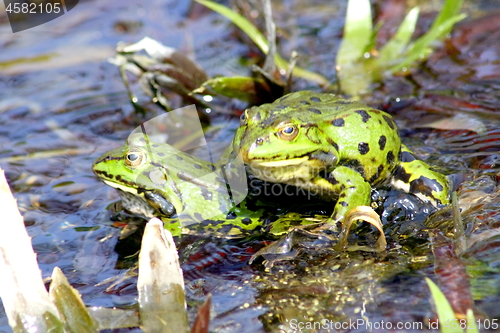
[329,146]
[333,147]
[189,194]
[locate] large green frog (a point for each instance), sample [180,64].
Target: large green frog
[332,147]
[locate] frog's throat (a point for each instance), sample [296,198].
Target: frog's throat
[280,163]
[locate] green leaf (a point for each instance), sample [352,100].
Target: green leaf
[445,312]
[240,22]
[357,32]
[393,49]
[240,87]
[421,48]
[450,9]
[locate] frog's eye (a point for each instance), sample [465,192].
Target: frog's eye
[288,132]
[134,157]
[243,118]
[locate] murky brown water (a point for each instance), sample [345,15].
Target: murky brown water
[62,105]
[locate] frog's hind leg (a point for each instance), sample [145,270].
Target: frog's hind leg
[415,176]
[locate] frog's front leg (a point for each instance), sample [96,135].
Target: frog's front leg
[352,189]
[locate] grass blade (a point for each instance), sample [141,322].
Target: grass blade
[420,49]
[445,312]
[258,38]
[352,73]
[240,22]
[357,32]
[397,44]
[449,10]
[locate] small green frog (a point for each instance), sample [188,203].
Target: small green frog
[332,147]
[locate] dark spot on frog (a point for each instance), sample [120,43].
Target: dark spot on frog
[389,121]
[206,194]
[283,98]
[375,111]
[279,108]
[342,195]
[343,101]
[160,154]
[406,156]
[230,215]
[339,122]
[206,229]
[315,99]
[382,141]
[373,160]
[364,115]
[305,102]
[314,110]
[343,203]
[356,166]
[214,223]
[155,145]
[390,157]
[329,177]
[363,148]
[178,157]
[425,185]
[226,228]
[197,166]
[246,221]
[380,169]
[402,175]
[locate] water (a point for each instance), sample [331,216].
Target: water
[62,105]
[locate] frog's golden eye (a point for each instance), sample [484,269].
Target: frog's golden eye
[288,132]
[134,157]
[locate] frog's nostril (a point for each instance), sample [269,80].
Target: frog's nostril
[259,141]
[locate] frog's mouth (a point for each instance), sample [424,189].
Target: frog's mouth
[121,187]
[280,163]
